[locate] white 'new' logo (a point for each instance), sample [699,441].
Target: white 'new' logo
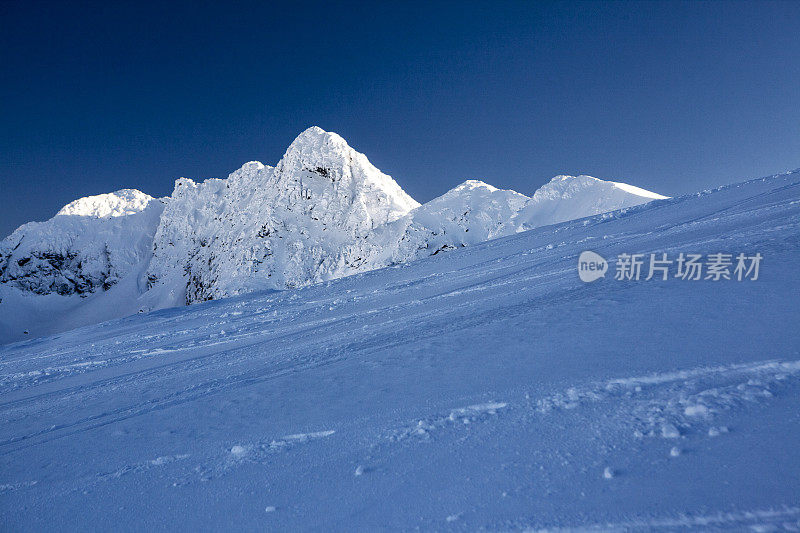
[591,266]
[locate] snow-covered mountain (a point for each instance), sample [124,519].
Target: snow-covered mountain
[471,213]
[301,222]
[570,197]
[90,244]
[475,212]
[322,212]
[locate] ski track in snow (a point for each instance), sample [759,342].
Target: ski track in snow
[8,487]
[258,452]
[666,405]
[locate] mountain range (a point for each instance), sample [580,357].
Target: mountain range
[322,212]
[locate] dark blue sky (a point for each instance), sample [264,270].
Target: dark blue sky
[673,97]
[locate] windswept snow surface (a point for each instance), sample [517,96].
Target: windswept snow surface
[486,388]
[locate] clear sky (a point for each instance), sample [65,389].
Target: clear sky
[672,97]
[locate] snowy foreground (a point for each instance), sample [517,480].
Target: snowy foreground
[484,388]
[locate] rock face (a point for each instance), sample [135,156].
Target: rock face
[322,212]
[89,245]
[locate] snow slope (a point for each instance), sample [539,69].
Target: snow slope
[485,388]
[323,212]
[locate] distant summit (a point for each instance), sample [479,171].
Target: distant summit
[570,197]
[88,246]
[115,204]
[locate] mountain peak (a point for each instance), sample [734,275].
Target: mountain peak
[114,204]
[314,131]
[323,157]
[566,186]
[252,166]
[469,185]
[315,140]
[567,179]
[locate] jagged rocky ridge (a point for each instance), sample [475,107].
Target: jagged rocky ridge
[323,212]
[303,221]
